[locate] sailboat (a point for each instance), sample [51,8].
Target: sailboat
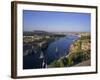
[43,64]
[56,49]
[41,55]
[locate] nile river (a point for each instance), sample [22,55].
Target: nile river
[55,50]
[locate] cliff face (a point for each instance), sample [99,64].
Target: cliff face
[80,51]
[83,45]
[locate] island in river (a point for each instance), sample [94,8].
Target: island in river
[46,50]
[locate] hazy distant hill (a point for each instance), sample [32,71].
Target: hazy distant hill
[38,32]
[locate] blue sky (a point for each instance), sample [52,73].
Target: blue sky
[56,21]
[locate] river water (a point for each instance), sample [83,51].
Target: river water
[59,48]
[55,50]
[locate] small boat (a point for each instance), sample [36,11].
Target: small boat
[43,63]
[41,55]
[56,49]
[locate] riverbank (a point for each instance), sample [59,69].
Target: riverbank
[79,51]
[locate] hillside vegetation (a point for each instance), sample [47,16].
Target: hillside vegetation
[79,52]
